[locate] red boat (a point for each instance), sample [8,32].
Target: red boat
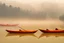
[52,31]
[21,31]
[8,24]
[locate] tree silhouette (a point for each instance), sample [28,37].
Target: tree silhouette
[61,17]
[8,11]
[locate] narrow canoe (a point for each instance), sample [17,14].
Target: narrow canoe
[21,31]
[8,24]
[52,31]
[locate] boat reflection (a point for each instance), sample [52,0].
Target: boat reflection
[20,34]
[52,34]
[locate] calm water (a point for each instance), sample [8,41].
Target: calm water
[37,37]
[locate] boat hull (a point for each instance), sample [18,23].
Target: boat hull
[8,24]
[22,31]
[52,31]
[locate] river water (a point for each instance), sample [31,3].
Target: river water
[37,37]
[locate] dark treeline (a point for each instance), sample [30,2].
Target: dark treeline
[8,11]
[61,17]
[16,12]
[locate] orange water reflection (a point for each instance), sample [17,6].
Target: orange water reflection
[20,34]
[52,34]
[32,34]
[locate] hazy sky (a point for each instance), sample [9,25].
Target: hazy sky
[33,1]
[36,4]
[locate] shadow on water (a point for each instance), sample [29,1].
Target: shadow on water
[52,34]
[32,34]
[20,34]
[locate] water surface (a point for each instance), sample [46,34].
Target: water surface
[37,37]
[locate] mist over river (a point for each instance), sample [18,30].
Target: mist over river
[37,37]
[32,15]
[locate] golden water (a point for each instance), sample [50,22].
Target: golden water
[37,37]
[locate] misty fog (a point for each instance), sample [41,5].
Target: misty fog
[42,11]
[38,15]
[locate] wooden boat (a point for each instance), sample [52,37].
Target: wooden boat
[52,31]
[8,24]
[21,31]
